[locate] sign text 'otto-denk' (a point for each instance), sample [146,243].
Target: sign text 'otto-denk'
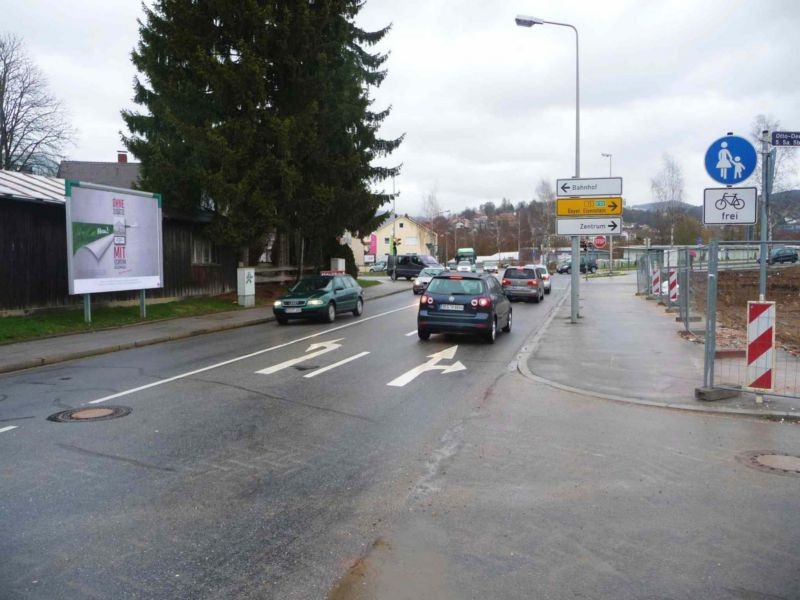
[786,138]
[730,160]
[588,207]
[589,226]
[729,206]
[595,186]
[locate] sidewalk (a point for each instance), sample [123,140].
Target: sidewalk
[626,348]
[46,351]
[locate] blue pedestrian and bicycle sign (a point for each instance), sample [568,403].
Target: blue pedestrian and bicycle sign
[731,159]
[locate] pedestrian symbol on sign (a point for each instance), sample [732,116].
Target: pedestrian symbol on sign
[731,159]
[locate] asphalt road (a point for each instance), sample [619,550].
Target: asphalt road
[247,470]
[228,482]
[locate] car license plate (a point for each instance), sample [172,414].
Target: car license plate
[293,310]
[452,307]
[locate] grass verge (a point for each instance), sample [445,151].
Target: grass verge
[43,324]
[365,283]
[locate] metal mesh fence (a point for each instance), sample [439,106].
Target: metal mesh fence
[734,272]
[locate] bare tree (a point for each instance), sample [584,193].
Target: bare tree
[33,126]
[667,189]
[785,156]
[430,206]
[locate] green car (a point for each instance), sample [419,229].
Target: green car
[320,297]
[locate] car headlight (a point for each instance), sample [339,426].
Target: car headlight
[315,302]
[277,303]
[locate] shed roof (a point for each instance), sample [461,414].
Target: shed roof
[24,186]
[116,174]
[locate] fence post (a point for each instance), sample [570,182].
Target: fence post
[711,315]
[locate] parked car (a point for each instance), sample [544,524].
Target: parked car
[424,278]
[377,267]
[463,303]
[523,283]
[320,297]
[782,255]
[409,265]
[544,274]
[465,267]
[590,264]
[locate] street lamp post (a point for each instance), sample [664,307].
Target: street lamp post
[525,21]
[609,156]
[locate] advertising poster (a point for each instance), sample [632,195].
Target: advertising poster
[113,239]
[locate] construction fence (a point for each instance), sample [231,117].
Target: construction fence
[711,290]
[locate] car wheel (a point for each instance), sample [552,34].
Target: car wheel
[423,334]
[281,320]
[593,270]
[507,328]
[567,271]
[547,290]
[408,278]
[330,315]
[491,336]
[536,299]
[359,309]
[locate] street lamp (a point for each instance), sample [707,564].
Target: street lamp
[526,21]
[609,157]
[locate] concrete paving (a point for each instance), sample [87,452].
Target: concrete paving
[626,348]
[51,350]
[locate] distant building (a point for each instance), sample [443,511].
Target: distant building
[121,174]
[413,238]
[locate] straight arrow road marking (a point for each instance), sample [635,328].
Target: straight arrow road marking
[410,333]
[334,365]
[9,428]
[313,351]
[431,365]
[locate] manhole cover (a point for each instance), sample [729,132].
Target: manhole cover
[771,462]
[103,413]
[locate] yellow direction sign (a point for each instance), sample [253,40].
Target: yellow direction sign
[586,207]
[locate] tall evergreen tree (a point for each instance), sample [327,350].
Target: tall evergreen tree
[323,78]
[209,138]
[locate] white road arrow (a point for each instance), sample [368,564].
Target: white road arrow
[431,365]
[313,351]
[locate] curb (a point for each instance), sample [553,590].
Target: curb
[533,344]
[66,356]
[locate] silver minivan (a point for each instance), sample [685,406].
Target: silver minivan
[523,283]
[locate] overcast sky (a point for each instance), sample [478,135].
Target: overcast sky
[488,108]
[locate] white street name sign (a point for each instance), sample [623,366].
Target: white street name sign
[729,206]
[589,226]
[596,186]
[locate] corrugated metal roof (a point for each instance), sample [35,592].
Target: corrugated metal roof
[24,186]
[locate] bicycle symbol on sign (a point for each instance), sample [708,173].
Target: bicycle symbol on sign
[729,199]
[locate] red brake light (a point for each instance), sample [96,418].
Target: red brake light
[506,281]
[533,283]
[545,277]
[426,299]
[484,302]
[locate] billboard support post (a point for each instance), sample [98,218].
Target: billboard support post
[87,308]
[142,305]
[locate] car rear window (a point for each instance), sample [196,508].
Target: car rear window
[541,271]
[469,287]
[520,274]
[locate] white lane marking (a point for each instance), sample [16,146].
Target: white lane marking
[320,348]
[334,365]
[410,333]
[431,365]
[246,356]
[9,428]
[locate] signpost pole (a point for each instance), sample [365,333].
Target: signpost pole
[87,308]
[762,279]
[574,273]
[142,305]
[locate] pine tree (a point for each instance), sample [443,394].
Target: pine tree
[323,78]
[209,138]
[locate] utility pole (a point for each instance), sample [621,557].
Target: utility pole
[762,279]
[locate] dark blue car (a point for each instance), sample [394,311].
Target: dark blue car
[470,303]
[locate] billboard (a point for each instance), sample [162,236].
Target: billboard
[113,239]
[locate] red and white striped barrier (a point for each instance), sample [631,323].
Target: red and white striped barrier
[673,285]
[655,276]
[761,345]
